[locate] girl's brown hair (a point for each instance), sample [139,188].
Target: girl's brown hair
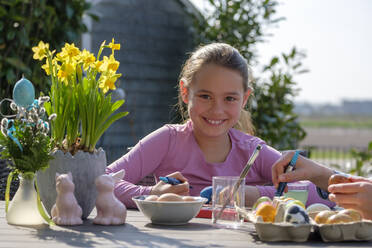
[219,54]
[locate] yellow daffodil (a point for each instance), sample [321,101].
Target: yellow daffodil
[87,58]
[110,63]
[69,51]
[107,81]
[40,51]
[46,69]
[114,46]
[65,72]
[80,82]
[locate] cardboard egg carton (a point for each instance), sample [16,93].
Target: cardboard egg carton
[352,231]
[283,231]
[278,231]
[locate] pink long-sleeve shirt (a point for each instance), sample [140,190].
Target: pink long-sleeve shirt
[173,148]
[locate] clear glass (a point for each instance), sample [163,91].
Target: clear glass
[298,191]
[23,208]
[222,188]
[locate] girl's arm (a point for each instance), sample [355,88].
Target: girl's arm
[140,161]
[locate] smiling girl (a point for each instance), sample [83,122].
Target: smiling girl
[213,91]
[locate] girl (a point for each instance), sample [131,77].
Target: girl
[213,90]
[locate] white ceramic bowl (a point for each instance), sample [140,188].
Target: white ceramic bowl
[169,212]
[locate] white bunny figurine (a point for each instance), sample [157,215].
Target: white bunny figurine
[110,211]
[66,211]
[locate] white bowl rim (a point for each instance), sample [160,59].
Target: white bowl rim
[198,199]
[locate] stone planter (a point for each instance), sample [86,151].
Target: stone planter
[85,168]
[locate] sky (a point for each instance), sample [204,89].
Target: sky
[336,36]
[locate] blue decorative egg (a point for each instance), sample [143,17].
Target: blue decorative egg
[296,215]
[207,193]
[23,93]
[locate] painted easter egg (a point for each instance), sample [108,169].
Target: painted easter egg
[267,211]
[207,193]
[260,200]
[296,215]
[23,93]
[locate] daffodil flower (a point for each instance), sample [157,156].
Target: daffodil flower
[114,46]
[40,50]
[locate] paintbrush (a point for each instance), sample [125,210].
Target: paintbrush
[243,174]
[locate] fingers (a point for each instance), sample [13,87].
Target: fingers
[345,199]
[178,175]
[347,188]
[279,167]
[360,179]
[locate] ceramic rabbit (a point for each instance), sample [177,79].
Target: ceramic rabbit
[66,211]
[110,211]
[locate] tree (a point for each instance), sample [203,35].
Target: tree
[23,23]
[243,24]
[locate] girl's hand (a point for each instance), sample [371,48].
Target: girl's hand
[180,189]
[356,195]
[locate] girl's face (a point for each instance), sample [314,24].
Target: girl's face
[215,99]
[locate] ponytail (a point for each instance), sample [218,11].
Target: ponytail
[244,123]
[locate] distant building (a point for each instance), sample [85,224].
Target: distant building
[347,107]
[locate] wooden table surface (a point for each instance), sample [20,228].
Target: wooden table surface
[139,232]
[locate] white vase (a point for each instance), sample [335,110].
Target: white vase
[85,167]
[23,208]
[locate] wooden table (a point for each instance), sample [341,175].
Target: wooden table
[139,232]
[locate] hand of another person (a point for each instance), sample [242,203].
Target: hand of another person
[356,195]
[305,169]
[180,189]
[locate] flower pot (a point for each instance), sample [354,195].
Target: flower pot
[23,208]
[85,168]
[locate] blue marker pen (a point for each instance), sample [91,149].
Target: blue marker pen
[290,167]
[171,180]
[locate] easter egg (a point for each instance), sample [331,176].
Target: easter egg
[296,215]
[354,214]
[207,193]
[188,198]
[295,202]
[259,200]
[169,197]
[23,93]
[317,207]
[338,178]
[266,211]
[339,218]
[152,198]
[280,211]
[322,217]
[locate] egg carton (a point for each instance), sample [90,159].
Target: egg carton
[278,231]
[354,231]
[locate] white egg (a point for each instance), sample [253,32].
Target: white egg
[316,207]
